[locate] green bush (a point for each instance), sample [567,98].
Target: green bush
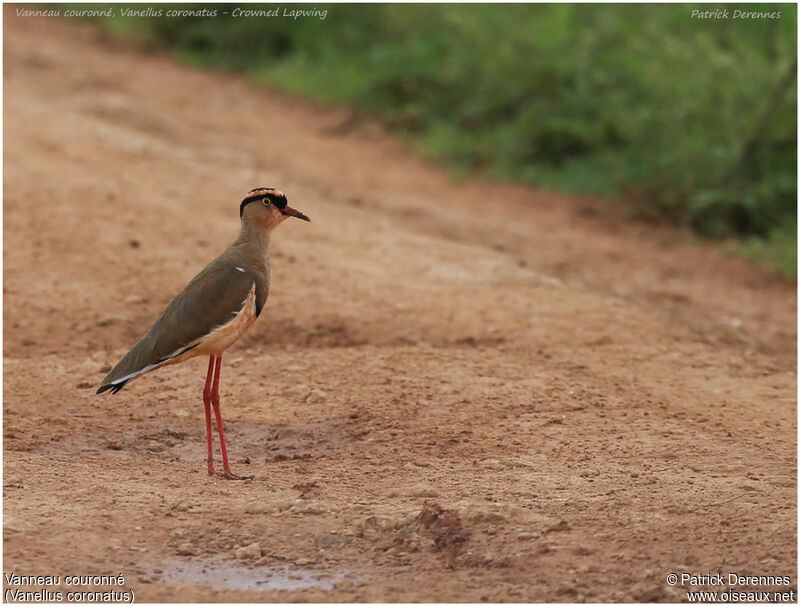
[692,120]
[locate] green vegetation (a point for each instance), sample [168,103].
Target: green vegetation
[691,120]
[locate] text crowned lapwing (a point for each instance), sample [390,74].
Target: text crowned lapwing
[214,310]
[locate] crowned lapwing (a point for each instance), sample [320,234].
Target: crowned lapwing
[214,310]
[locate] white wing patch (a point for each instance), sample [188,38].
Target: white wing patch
[135,374]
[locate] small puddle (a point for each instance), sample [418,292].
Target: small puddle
[222,573]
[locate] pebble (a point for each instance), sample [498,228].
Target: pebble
[310,509]
[186,549]
[298,389]
[384,522]
[249,552]
[344,584]
[316,396]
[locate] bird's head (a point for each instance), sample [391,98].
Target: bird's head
[267,208]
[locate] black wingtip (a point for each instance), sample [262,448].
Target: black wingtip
[114,388]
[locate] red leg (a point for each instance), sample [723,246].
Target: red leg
[215,401]
[207,404]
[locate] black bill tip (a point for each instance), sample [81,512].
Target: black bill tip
[291,212]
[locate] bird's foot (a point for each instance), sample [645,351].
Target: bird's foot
[229,475]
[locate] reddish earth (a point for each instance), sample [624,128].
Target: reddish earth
[458,391]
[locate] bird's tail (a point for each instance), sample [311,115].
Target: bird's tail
[139,360]
[136,362]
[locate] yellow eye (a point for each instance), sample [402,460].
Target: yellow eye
[266,201]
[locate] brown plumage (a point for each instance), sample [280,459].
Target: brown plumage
[214,309]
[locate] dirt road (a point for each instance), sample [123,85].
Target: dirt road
[458,391]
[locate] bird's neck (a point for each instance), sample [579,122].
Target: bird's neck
[256,238]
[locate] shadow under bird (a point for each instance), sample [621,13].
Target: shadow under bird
[213,311]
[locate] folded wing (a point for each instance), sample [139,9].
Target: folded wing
[213,298]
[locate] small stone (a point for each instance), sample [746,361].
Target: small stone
[303,562]
[535,461]
[249,552]
[562,526]
[107,320]
[310,509]
[187,549]
[383,522]
[298,389]
[180,412]
[344,584]
[316,396]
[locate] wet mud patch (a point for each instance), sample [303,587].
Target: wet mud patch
[172,437]
[247,443]
[221,572]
